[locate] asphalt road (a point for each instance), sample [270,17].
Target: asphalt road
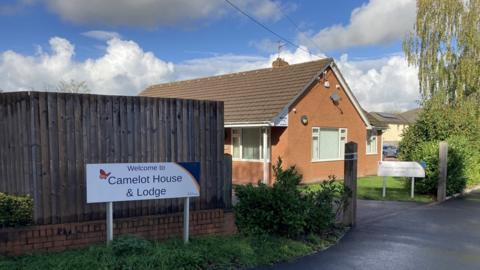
[392,235]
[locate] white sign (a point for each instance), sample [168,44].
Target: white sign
[115,182]
[401,168]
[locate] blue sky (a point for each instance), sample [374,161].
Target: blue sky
[119,48]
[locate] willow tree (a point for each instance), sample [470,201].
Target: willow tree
[445,46]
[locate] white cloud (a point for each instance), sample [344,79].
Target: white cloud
[126,69]
[378,22]
[385,84]
[151,13]
[223,64]
[102,35]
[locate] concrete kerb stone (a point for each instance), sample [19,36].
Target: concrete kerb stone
[457,195]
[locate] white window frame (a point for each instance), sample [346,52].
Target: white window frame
[373,133]
[239,136]
[341,144]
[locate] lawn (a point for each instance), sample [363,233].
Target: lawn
[370,188]
[205,252]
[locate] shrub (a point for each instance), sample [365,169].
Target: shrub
[15,210]
[283,209]
[324,204]
[462,167]
[129,245]
[459,124]
[439,121]
[278,210]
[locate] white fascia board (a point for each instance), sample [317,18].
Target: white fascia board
[281,120]
[255,124]
[350,95]
[304,90]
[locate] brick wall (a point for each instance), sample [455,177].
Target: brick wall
[58,237]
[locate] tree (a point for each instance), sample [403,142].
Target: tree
[445,46]
[73,86]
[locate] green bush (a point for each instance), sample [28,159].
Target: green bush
[324,204]
[283,209]
[278,210]
[439,121]
[15,210]
[459,124]
[462,167]
[129,244]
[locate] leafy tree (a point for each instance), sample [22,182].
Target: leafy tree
[72,86]
[445,45]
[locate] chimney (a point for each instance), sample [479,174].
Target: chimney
[279,62]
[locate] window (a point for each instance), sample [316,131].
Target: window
[328,143]
[236,143]
[371,141]
[247,143]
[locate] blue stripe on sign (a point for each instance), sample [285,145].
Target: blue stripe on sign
[193,168]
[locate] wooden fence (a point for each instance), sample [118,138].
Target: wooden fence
[47,138]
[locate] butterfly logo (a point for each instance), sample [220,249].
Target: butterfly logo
[103,174]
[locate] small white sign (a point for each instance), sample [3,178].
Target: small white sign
[401,168]
[113,182]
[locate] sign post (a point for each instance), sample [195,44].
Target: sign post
[384,189]
[115,182]
[109,206]
[401,169]
[186,219]
[412,191]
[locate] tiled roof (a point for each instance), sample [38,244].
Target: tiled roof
[388,118]
[411,116]
[374,121]
[249,97]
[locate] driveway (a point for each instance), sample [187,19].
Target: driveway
[393,235]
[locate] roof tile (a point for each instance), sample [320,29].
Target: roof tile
[251,96]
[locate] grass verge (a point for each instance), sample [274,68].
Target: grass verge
[205,252]
[370,188]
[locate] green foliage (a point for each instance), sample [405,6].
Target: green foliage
[428,152]
[278,210]
[129,245]
[283,209]
[207,252]
[439,121]
[324,205]
[459,124]
[445,46]
[15,210]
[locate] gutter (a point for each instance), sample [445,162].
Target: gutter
[248,124]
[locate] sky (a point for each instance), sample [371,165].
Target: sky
[120,47]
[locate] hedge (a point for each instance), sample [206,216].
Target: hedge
[15,210]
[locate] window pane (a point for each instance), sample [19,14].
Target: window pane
[315,145]
[329,144]
[251,143]
[371,142]
[343,141]
[236,147]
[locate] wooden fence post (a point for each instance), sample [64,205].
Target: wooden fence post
[350,182]
[442,169]
[227,174]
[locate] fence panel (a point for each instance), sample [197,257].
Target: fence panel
[46,139]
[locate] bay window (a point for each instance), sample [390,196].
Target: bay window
[247,143]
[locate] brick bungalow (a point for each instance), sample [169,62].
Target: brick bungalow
[304,113]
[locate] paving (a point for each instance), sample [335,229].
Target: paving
[397,235]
